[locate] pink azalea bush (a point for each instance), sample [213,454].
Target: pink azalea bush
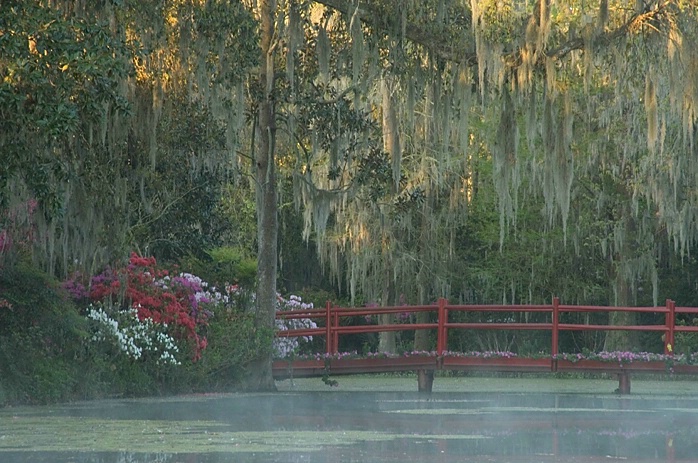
[625,358]
[283,347]
[143,306]
[482,354]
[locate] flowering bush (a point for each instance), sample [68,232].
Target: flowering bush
[483,355]
[201,299]
[323,356]
[183,303]
[624,358]
[135,337]
[243,299]
[382,355]
[284,346]
[420,353]
[76,288]
[612,357]
[239,298]
[371,355]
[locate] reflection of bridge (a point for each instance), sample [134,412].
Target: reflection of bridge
[505,427]
[331,323]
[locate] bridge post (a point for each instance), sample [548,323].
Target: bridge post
[555,335]
[670,452]
[335,337]
[441,332]
[328,327]
[425,380]
[623,383]
[670,321]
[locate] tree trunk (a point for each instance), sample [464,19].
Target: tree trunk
[425,378]
[387,339]
[260,376]
[621,340]
[391,144]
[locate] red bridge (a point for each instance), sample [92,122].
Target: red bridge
[329,321]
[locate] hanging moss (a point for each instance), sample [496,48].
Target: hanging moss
[506,168]
[323,51]
[651,109]
[391,132]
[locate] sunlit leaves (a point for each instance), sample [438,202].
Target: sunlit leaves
[55,74]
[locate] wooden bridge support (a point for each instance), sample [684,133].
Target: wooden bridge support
[623,383]
[425,380]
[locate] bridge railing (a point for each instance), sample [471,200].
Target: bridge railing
[330,327]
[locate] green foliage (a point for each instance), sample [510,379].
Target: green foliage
[224,265]
[500,22]
[243,268]
[126,120]
[57,77]
[127,108]
[184,188]
[374,174]
[234,342]
[686,342]
[231,27]
[49,352]
[41,336]
[237,205]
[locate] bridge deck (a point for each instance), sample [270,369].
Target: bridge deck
[316,368]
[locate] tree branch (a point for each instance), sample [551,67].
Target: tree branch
[441,43]
[634,23]
[437,40]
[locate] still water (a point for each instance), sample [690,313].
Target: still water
[335,426]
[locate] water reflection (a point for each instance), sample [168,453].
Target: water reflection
[359,427]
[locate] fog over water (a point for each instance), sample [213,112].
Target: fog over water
[356,426]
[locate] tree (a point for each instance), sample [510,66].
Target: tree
[60,85]
[106,107]
[389,123]
[266,193]
[566,96]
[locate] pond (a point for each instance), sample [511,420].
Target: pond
[363,425]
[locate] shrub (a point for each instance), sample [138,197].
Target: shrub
[224,265]
[243,300]
[41,338]
[181,301]
[234,342]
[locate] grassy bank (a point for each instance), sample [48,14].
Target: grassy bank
[547,384]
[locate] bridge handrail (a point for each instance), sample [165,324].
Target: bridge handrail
[331,316]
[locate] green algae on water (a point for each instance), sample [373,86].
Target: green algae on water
[42,433]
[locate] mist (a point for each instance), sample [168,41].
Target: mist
[470,419]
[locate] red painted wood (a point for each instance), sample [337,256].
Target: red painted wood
[515,364]
[440,341]
[335,327]
[685,369]
[670,324]
[347,366]
[379,328]
[611,367]
[556,326]
[582,327]
[328,327]
[331,317]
